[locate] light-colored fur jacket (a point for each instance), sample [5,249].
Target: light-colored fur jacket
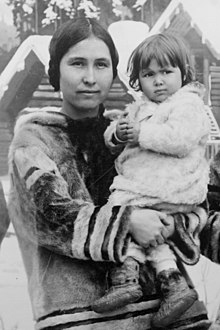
[67,230]
[168,164]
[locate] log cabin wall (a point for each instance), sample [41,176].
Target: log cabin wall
[5,139]
[215,91]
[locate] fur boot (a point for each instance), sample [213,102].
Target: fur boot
[124,287]
[177,297]
[194,318]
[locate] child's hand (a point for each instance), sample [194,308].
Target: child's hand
[121,128]
[133,131]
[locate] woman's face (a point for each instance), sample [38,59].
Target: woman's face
[85,77]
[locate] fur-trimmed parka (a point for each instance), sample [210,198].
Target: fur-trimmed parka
[68,231]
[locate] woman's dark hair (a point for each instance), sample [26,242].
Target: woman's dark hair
[68,35]
[166,49]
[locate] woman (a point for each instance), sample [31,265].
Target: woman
[60,172]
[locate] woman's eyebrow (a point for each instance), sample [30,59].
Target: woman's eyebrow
[103,59]
[70,58]
[81,58]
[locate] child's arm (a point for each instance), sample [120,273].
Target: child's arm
[186,125]
[115,134]
[120,135]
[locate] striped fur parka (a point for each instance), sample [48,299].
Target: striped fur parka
[68,231]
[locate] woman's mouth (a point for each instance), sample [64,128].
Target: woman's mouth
[88,91]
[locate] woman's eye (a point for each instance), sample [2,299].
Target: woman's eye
[102,65]
[77,63]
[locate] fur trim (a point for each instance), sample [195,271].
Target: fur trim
[183,243]
[133,316]
[210,238]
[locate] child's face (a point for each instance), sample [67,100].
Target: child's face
[158,83]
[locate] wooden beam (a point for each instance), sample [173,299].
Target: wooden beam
[206,79]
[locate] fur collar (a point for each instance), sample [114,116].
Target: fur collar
[51,116]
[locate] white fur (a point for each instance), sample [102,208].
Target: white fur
[169,163]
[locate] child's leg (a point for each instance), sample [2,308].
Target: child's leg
[123,282]
[177,297]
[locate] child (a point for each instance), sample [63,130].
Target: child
[162,166]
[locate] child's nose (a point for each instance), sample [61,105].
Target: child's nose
[158,80]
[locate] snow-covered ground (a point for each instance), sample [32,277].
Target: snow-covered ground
[15,308]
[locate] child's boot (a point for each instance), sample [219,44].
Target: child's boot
[194,318]
[177,297]
[124,287]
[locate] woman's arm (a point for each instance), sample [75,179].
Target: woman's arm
[210,235]
[74,227]
[49,216]
[214,185]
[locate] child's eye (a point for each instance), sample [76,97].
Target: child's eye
[147,74]
[167,72]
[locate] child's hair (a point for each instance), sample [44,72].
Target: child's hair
[166,49]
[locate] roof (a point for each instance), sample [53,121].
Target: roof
[37,44]
[203,15]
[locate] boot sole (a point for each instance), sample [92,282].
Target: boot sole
[103,306]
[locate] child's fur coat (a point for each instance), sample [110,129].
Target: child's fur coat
[168,164]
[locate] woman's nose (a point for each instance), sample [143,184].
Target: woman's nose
[89,76]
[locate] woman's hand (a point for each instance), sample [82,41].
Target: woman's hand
[148,227]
